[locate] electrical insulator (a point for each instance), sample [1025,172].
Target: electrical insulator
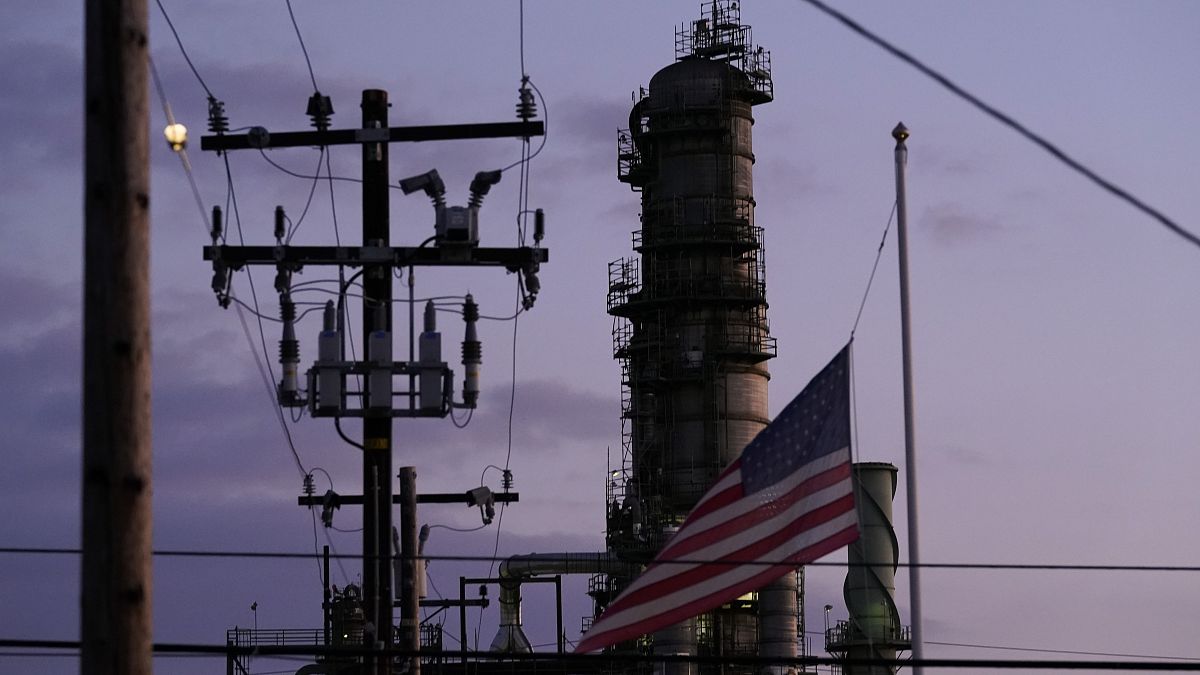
[529,275]
[279,230]
[421,566]
[217,226]
[379,352]
[330,502]
[289,355]
[481,184]
[430,183]
[220,282]
[539,226]
[310,487]
[420,570]
[329,374]
[472,353]
[430,357]
[447,389]
[526,107]
[218,123]
[506,479]
[320,109]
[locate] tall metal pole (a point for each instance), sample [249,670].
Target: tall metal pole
[900,133]
[116,574]
[410,612]
[377,428]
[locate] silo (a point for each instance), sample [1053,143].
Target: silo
[690,327]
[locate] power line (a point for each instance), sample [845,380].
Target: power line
[302,47]
[1063,651]
[266,372]
[1076,652]
[1008,121]
[545,129]
[264,364]
[317,176]
[308,202]
[180,150]
[183,51]
[1025,567]
[201,650]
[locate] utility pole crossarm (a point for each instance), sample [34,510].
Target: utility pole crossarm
[512,259]
[260,138]
[428,498]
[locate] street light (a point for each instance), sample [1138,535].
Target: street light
[254,608]
[176,135]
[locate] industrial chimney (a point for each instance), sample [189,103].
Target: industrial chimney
[873,630]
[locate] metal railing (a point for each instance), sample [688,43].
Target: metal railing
[845,634]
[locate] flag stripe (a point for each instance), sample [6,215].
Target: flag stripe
[785,501]
[740,539]
[733,523]
[596,640]
[726,490]
[669,577]
[698,522]
[725,576]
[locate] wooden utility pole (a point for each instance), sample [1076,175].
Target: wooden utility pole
[410,612]
[378,259]
[116,584]
[377,427]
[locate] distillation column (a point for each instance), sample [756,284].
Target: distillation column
[691,331]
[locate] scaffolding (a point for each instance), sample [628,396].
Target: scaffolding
[690,330]
[720,35]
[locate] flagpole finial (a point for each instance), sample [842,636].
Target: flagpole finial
[900,133]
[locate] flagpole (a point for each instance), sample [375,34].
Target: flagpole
[900,133]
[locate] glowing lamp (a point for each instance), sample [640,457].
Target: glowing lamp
[176,135]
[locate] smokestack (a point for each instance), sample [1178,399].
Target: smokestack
[873,630]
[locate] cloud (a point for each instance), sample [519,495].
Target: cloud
[963,455]
[946,161]
[952,224]
[48,133]
[33,307]
[789,180]
[591,123]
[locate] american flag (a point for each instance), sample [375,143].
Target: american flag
[786,501]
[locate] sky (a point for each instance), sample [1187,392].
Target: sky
[1054,326]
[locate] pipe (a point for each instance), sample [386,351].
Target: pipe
[677,640]
[777,622]
[510,638]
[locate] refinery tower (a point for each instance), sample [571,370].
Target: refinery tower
[690,324]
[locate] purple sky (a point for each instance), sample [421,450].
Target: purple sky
[1054,326]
